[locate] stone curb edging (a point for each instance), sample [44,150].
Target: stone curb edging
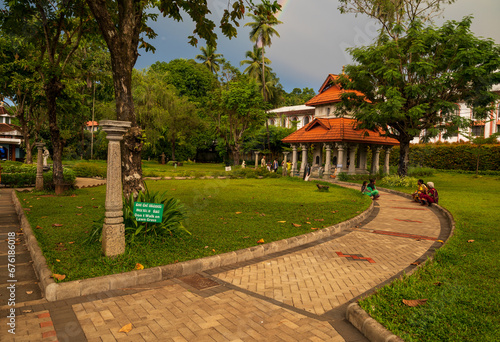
[368,326]
[56,291]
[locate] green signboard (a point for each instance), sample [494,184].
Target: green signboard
[148,212]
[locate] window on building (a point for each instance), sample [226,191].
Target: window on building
[477,131]
[328,111]
[306,120]
[271,122]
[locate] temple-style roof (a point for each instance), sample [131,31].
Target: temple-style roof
[330,92]
[337,130]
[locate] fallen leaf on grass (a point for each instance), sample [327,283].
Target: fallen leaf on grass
[281,221]
[58,276]
[73,195]
[95,206]
[308,222]
[139,266]
[246,237]
[335,211]
[58,260]
[260,241]
[79,207]
[440,241]
[469,241]
[320,220]
[314,228]
[38,227]
[213,250]
[414,302]
[44,217]
[126,328]
[238,212]
[297,225]
[71,242]
[79,214]
[438,283]
[57,225]
[92,198]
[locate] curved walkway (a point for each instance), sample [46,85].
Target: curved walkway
[299,294]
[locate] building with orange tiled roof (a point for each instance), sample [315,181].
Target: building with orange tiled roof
[337,144]
[10,137]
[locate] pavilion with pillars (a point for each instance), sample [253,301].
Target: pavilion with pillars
[337,145]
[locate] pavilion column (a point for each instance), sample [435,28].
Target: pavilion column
[340,156]
[294,160]
[328,160]
[256,159]
[386,160]
[362,157]
[304,159]
[375,160]
[352,159]
[113,231]
[39,166]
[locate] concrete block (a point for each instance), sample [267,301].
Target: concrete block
[243,255]
[50,292]
[171,271]
[94,285]
[119,281]
[68,290]
[147,276]
[191,266]
[228,258]
[257,251]
[210,262]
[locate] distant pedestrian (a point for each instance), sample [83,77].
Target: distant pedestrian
[275,165]
[263,162]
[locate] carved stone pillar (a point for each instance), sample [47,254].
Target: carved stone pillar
[113,231]
[304,159]
[256,159]
[386,160]
[328,160]
[340,157]
[294,160]
[352,159]
[375,159]
[39,166]
[362,158]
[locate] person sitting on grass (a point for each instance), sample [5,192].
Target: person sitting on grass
[421,189]
[431,196]
[371,190]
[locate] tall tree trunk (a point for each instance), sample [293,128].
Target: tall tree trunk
[404,154]
[26,133]
[131,147]
[52,91]
[173,149]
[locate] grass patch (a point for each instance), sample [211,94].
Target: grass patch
[462,282]
[223,215]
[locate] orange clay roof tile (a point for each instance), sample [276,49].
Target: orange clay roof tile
[329,92]
[337,130]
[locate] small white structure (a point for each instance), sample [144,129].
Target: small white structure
[286,116]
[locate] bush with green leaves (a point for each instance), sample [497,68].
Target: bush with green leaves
[88,169]
[397,181]
[69,178]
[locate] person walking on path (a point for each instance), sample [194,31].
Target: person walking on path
[275,165]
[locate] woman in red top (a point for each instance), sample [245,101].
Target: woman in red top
[431,196]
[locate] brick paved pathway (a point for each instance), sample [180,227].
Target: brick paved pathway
[295,295]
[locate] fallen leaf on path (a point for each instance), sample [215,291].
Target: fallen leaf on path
[139,266]
[414,302]
[260,241]
[440,241]
[126,328]
[415,263]
[297,225]
[27,311]
[59,276]
[29,292]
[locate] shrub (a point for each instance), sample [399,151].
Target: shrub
[86,169]
[343,177]
[69,177]
[396,181]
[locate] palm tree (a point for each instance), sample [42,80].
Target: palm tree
[254,59]
[210,58]
[261,32]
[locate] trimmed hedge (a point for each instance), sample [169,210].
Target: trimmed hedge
[452,156]
[25,176]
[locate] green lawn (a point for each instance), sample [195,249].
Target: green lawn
[223,215]
[462,283]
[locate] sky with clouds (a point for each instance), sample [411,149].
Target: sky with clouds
[313,37]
